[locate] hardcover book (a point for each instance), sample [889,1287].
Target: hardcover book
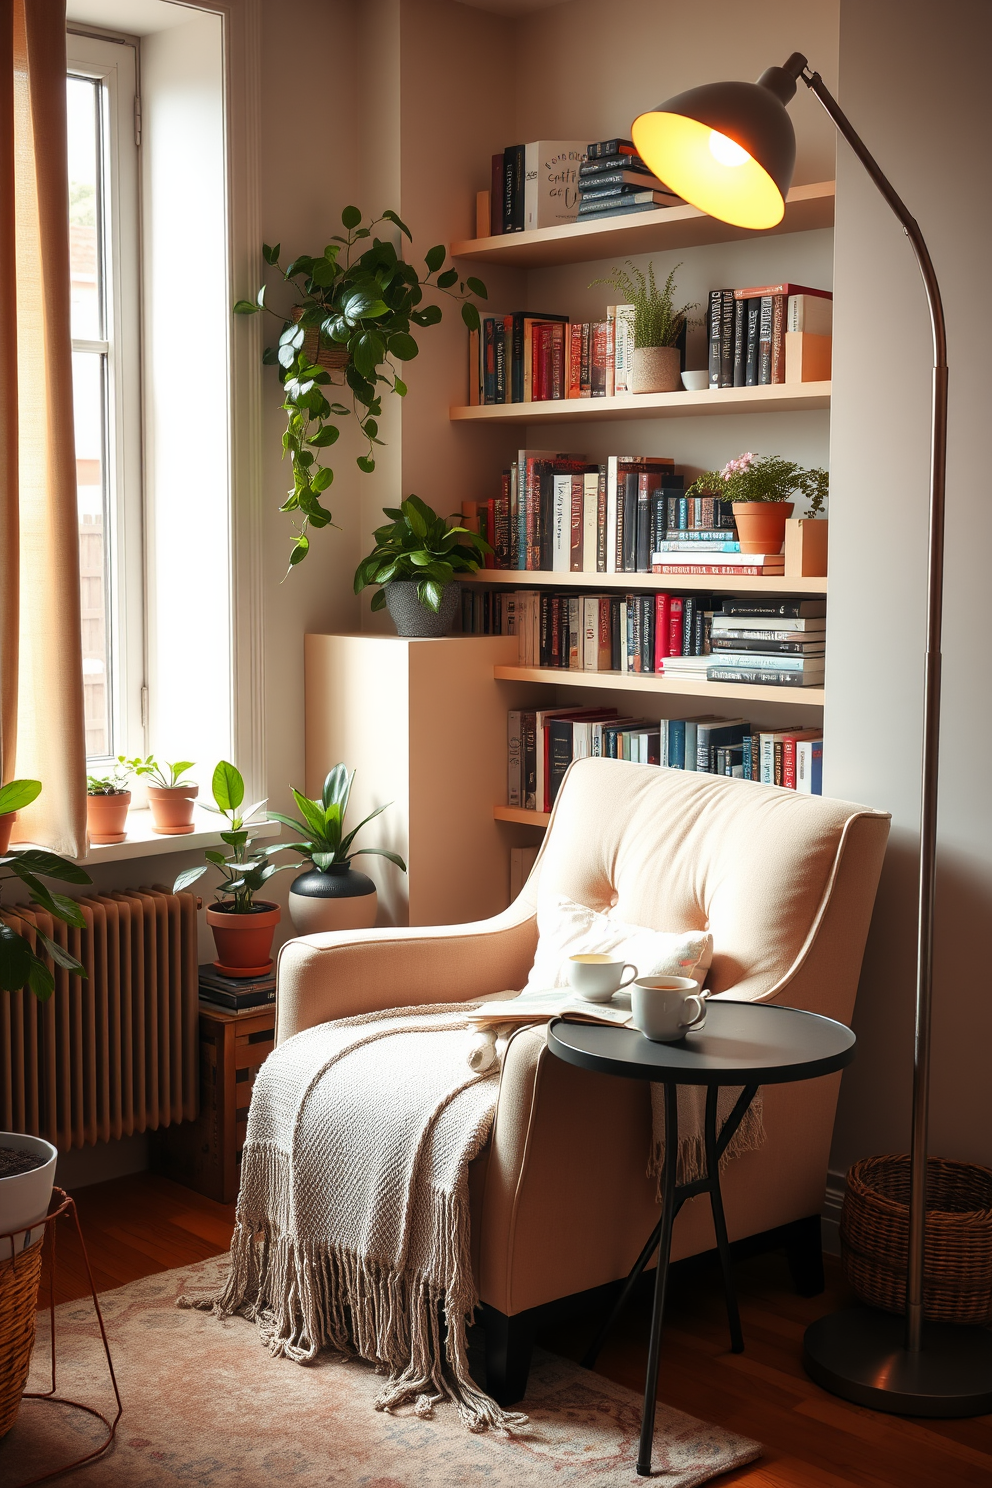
[551,182]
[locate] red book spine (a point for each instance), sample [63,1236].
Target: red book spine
[575,545]
[674,625]
[662,630]
[574,361]
[789,762]
[558,359]
[536,342]
[546,341]
[604,634]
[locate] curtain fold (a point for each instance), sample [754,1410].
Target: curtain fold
[42,734]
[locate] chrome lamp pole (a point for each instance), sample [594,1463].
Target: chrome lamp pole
[729,148]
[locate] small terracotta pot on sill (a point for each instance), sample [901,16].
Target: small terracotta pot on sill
[171,807]
[244,941]
[6,827]
[106,817]
[761,525]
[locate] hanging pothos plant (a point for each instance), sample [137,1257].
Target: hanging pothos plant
[350,323]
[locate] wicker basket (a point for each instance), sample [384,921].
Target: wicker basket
[874,1237]
[319,353]
[19,1281]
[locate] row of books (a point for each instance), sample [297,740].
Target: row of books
[757,336]
[542,743]
[775,642]
[551,182]
[558,512]
[530,358]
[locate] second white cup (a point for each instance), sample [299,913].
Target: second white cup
[665,1009]
[597,977]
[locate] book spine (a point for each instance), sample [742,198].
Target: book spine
[585,366]
[727,338]
[675,625]
[598,359]
[604,148]
[532,549]
[514,758]
[648,632]
[574,361]
[765,342]
[788,609]
[628,505]
[789,762]
[499,349]
[575,514]
[474,369]
[720,570]
[662,630]
[688,626]
[575,652]
[518,153]
[558,359]
[642,554]
[601,520]
[489,360]
[740,343]
[496,196]
[745,674]
[778,338]
[501,525]
[517,360]
[714,321]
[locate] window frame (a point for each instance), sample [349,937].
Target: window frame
[114,64]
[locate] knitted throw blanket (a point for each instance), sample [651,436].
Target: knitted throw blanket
[353,1216]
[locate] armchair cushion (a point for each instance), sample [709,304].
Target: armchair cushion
[567,929]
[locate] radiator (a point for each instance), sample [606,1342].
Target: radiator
[116,1052]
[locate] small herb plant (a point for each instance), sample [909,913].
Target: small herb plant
[117,780]
[419,545]
[753,477]
[656,320]
[366,309]
[164,775]
[323,824]
[247,868]
[20,965]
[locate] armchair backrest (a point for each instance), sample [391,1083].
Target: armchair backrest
[759,866]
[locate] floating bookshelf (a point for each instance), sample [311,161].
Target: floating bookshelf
[782,397]
[674,583]
[806,208]
[717,692]
[524,818]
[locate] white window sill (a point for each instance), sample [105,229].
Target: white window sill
[143,842]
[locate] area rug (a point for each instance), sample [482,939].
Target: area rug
[205,1406]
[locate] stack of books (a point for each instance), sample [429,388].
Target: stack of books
[614,179]
[535,185]
[781,642]
[235,994]
[700,538]
[768,333]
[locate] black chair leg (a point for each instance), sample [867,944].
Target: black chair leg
[804,1249]
[509,1344]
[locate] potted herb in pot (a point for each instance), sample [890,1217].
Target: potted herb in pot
[656,361]
[170,797]
[243,926]
[331,895]
[13,796]
[107,802]
[760,487]
[415,559]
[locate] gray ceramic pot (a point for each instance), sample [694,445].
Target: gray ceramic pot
[339,898]
[411,618]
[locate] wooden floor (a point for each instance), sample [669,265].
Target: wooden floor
[136,1226]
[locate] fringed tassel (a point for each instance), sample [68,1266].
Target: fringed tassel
[748,1137]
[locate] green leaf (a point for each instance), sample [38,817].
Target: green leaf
[378,600]
[337,788]
[187,877]
[69,911]
[271,255]
[477,287]
[403,346]
[246,307]
[36,860]
[447,279]
[324,273]
[260,297]
[382,852]
[470,315]
[434,258]
[59,956]
[350,218]
[322,860]
[301,547]
[228,787]
[212,856]
[366,464]
[312,812]
[40,979]
[327,434]
[322,479]
[399,387]
[390,216]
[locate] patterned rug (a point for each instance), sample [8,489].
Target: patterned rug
[205,1406]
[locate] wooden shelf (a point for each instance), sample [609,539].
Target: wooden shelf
[717,692]
[518,814]
[781,397]
[807,208]
[676,583]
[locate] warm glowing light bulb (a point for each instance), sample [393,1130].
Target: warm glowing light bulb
[726,151]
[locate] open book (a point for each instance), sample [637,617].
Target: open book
[559,1002]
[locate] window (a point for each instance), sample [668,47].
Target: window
[103,256]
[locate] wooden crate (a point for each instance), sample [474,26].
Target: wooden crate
[205,1154]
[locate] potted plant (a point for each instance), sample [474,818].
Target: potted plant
[349,322]
[331,895]
[655,361]
[107,802]
[20,965]
[415,559]
[760,487]
[170,798]
[242,925]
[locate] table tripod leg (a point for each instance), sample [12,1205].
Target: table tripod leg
[720,1223]
[661,1279]
[592,1353]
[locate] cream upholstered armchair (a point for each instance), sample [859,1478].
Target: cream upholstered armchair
[561,1202]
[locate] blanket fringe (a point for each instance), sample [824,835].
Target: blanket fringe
[748,1137]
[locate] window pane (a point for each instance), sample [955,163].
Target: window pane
[85,237]
[88,387]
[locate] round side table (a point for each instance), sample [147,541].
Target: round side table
[742,1043]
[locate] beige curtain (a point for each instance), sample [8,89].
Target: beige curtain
[41,678]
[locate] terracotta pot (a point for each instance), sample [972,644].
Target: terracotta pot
[655,369]
[335,898]
[106,816]
[761,525]
[6,827]
[172,808]
[244,941]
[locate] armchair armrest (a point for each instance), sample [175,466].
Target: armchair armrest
[342,973]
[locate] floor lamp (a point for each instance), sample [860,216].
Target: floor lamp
[729,148]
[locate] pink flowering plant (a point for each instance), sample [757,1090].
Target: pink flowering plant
[752,477]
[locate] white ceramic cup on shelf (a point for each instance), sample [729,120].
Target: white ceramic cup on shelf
[695,382]
[596,977]
[666,1008]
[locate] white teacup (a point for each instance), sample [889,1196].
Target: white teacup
[597,977]
[695,382]
[666,1008]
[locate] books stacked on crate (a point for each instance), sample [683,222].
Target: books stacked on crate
[769,333]
[542,743]
[535,185]
[699,537]
[781,642]
[614,180]
[235,994]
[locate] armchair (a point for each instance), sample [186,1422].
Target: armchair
[561,1201]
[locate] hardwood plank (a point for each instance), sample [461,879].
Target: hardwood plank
[783,397]
[536,578]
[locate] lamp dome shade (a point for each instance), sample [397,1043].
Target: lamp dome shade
[727,148]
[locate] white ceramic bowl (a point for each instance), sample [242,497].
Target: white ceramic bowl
[24,1197]
[695,382]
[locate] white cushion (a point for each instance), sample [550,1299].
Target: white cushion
[569,929]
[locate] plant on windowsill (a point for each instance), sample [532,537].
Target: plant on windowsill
[242,925]
[20,965]
[761,488]
[170,797]
[350,324]
[331,895]
[415,559]
[107,800]
[655,361]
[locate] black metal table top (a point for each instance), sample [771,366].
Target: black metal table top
[741,1043]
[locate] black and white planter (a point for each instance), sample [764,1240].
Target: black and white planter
[413,619]
[337,898]
[24,1196]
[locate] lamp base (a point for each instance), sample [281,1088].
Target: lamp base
[860,1354]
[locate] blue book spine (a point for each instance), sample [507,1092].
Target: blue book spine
[746,758]
[676,743]
[683,513]
[816,769]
